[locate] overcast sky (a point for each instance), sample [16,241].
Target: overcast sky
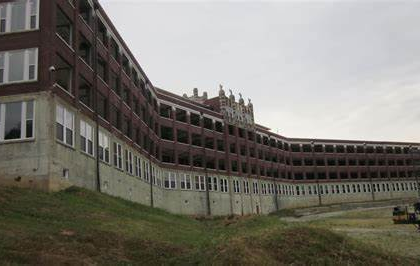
[338,69]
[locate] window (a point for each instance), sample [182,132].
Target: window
[18,65]
[85,50]
[19,16]
[236,186]
[64,27]
[86,137]
[212,183]
[102,69]
[102,33]
[63,74]
[199,183]
[102,107]
[115,83]
[224,185]
[186,182]
[246,187]
[255,187]
[118,160]
[126,95]
[169,180]
[85,93]
[115,117]
[103,147]
[146,171]
[16,120]
[129,162]
[85,11]
[115,50]
[137,160]
[64,125]
[263,188]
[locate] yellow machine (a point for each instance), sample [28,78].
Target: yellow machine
[402,215]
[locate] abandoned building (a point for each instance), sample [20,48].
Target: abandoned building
[76,108]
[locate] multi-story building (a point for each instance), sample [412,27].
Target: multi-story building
[76,108]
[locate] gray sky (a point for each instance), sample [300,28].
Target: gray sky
[338,69]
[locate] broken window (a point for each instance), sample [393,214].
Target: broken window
[115,50]
[182,136]
[126,95]
[85,11]
[85,92]
[209,143]
[195,119]
[168,156]
[232,148]
[102,33]
[126,126]
[64,27]
[295,147]
[115,117]
[102,69]
[221,164]
[329,148]
[63,74]
[208,123]
[219,126]
[198,160]
[85,49]
[167,133]
[220,145]
[165,110]
[181,115]
[115,83]
[196,139]
[102,108]
[126,65]
[184,158]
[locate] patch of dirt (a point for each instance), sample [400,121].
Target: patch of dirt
[319,216]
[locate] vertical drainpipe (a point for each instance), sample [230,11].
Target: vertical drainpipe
[414,170]
[95,95]
[316,174]
[276,204]
[150,158]
[368,171]
[203,148]
[389,176]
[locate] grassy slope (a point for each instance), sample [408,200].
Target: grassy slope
[82,227]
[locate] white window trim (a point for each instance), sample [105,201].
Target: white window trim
[138,167]
[22,122]
[128,163]
[28,14]
[184,179]
[146,171]
[104,144]
[84,133]
[65,112]
[118,151]
[224,186]
[200,183]
[6,67]
[171,178]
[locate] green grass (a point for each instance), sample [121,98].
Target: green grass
[77,226]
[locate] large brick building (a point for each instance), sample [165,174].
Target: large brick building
[76,108]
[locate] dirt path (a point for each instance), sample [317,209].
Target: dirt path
[318,216]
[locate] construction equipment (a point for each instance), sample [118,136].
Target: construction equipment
[407,215]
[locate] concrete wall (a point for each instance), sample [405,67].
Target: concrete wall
[41,163]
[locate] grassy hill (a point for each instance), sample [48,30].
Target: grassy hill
[77,226]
